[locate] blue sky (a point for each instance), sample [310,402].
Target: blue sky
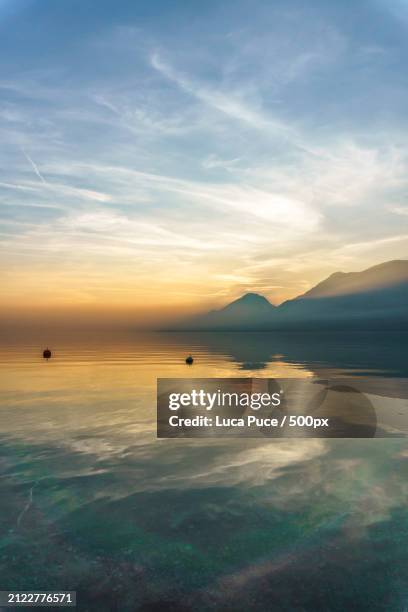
[177,154]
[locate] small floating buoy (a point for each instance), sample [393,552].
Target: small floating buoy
[189,360]
[47,353]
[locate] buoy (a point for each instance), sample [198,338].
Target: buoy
[189,360]
[47,353]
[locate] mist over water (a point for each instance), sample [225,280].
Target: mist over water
[91,500]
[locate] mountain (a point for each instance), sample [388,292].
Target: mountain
[248,306]
[249,311]
[376,298]
[383,276]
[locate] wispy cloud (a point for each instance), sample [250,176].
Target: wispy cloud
[34,167]
[226,103]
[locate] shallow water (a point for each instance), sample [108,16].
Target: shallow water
[92,501]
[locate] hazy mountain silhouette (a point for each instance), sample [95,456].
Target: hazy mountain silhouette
[376,298]
[378,295]
[249,310]
[382,276]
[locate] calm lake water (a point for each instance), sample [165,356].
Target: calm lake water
[91,501]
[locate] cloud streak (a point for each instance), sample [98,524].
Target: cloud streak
[34,167]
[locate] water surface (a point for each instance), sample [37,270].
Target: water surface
[92,501]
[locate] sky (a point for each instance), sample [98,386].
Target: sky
[166,157]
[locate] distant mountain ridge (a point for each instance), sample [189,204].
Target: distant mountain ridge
[376,298]
[377,277]
[250,310]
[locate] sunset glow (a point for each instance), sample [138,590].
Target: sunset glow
[156,163]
